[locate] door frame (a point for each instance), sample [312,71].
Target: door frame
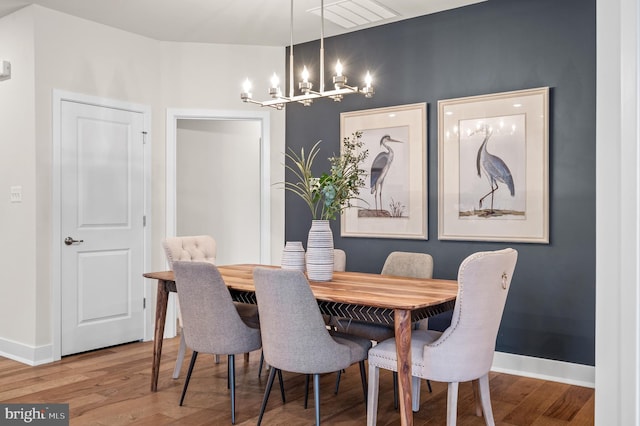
[175,114]
[58,97]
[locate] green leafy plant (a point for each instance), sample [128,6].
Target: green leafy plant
[332,192]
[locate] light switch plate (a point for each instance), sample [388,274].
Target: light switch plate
[16,194]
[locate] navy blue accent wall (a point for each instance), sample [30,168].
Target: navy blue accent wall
[491,47]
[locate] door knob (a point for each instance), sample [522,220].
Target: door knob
[68,241]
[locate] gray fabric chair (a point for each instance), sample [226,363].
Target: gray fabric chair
[200,248]
[339,265]
[339,260]
[295,337]
[402,264]
[211,323]
[464,351]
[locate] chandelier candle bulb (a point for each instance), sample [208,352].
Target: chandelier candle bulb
[246,90]
[274,90]
[305,85]
[368,89]
[339,80]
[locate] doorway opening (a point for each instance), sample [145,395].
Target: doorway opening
[218,184]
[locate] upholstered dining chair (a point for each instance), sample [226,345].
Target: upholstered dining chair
[339,265]
[294,335]
[199,248]
[464,351]
[339,260]
[211,323]
[402,264]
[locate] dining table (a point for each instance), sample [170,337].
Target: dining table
[386,299]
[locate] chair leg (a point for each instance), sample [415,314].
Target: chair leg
[338,381]
[261,363]
[475,385]
[429,386]
[217,358]
[180,358]
[267,391]
[281,384]
[246,357]
[316,396]
[306,391]
[395,390]
[485,397]
[194,355]
[231,359]
[363,378]
[372,398]
[415,393]
[452,404]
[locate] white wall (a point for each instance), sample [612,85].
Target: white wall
[80,56]
[51,50]
[218,185]
[17,167]
[221,70]
[618,214]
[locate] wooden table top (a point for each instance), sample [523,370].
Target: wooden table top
[358,288]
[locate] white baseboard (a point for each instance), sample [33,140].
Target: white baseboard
[519,365]
[545,369]
[26,354]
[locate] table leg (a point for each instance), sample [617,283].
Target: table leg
[402,322]
[162,299]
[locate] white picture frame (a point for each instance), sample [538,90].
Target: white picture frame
[493,167]
[397,206]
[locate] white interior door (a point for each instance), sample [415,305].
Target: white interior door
[102,213]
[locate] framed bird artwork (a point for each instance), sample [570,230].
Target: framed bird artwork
[393,201]
[493,171]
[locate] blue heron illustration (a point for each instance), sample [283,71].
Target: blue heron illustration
[380,168]
[494,169]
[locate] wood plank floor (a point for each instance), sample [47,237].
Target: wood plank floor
[111,387]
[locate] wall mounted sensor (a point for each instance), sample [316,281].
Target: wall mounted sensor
[5,70]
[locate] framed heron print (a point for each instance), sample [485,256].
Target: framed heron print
[493,171]
[393,201]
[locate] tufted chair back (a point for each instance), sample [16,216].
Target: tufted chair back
[198,248]
[465,349]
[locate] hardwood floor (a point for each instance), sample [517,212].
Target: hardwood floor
[111,387]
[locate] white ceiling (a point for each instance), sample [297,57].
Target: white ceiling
[255,22]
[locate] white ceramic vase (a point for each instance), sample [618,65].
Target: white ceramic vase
[293,256]
[320,251]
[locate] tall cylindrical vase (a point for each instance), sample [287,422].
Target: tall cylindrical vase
[293,256]
[320,251]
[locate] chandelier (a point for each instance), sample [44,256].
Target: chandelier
[306,94]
